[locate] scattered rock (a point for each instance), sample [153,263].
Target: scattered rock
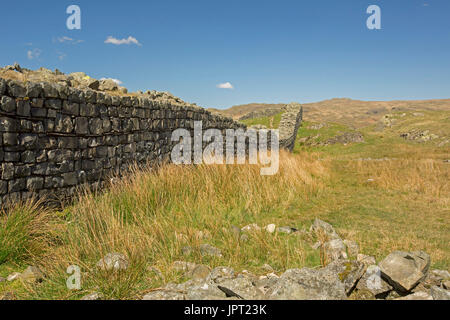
[320,226]
[417,296]
[307,284]
[183,266]
[200,272]
[352,248]
[439,293]
[270,228]
[93,296]
[441,274]
[13,276]
[32,274]
[251,227]
[349,273]
[404,270]
[218,274]
[186,250]
[335,250]
[267,267]
[287,230]
[209,250]
[372,282]
[113,261]
[367,260]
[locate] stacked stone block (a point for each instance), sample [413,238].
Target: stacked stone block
[55,138]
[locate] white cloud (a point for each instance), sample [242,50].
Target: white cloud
[225,85]
[117,81]
[61,55]
[67,40]
[34,54]
[129,40]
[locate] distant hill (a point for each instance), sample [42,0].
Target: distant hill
[355,113]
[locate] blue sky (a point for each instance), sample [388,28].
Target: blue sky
[270,51]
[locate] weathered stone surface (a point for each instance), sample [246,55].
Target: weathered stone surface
[32,274]
[209,250]
[417,296]
[113,261]
[365,259]
[308,284]
[13,276]
[372,282]
[404,270]
[325,228]
[93,296]
[352,248]
[335,250]
[289,125]
[348,272]
[439,293]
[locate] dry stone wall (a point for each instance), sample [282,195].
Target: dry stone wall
[289,125]
[55,138]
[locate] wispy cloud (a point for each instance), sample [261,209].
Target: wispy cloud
[61,55]
[34,54]
[118,42]
[66,39]
[117,81]
[226,85]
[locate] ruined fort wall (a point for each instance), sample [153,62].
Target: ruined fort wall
[54,138]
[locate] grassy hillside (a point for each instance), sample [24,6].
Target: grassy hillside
[350,112]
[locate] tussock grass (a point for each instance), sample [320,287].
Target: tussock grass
[25,232]
[150,215]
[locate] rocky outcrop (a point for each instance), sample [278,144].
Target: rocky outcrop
[289,125]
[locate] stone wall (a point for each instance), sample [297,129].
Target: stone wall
[289,125]
[54,138]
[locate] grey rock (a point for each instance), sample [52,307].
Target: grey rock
[367,260]
[93,296]
[32,274]
[13,276]
[417,296]
[335,250]
[113,261]
[348,272]
[287,230]
[439,293]
[8,104]
[327,229]
[404,270]
[372,282]
[352,248]
[209,250]
[308,284]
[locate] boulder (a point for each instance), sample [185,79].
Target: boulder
[404,270]
[200,272]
